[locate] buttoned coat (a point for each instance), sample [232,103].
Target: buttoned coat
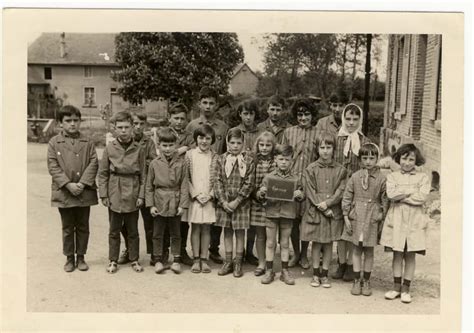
[406,222]
[167,185]
[122,176]
[76,163]
[365,208]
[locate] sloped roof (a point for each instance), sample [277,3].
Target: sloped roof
[81,49]
[239,68]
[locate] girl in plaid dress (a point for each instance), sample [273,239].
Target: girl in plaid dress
[349,141]
[324,183]
[264,164]
[364,204]
[235,179]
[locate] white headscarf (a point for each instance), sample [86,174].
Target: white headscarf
[353,140]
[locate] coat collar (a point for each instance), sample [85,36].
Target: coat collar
[245,130]
[412,172]
[321,164]
[373,174]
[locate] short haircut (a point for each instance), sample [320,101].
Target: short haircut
[140,115]
[122,116]
[304,105]
[270,137]
[275,100]
[204,130]
[178,108]
[369,149]
[235,133]
[284,150]
[352,108]
[208,92]
[326,138]
[166,135]
[340,96]
[69,111]
[408,148]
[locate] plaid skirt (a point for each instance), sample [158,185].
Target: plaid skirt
[239,219]
[258,216]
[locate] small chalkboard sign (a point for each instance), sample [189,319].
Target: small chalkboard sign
[281,189]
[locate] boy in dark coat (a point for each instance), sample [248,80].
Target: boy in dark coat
[72,163]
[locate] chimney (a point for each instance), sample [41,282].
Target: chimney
[62,45]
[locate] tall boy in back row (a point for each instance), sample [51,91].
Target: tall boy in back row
[208,104]
[72,163]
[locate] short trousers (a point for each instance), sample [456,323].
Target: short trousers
[282,223]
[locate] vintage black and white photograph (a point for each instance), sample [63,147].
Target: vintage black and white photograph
[207,171]
[156,152]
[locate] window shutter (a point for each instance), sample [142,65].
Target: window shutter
[433,92]
[405,76]
[393,78]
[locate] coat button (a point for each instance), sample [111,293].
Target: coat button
[327,195]
[77,155]
[370,200]
[78,174]
[327,181]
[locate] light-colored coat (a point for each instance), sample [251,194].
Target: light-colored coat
[122,176]
[405,221]
[74,163]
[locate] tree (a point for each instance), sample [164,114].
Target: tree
[290,57]
[155,65]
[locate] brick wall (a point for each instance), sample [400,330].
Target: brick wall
[430,135]
[421,122]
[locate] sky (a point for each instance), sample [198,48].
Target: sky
[254,48]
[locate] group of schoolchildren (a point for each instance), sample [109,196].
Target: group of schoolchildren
[216,179]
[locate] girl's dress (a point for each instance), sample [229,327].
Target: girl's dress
[257,211]
[364,202]
[405,225]
[323,182]
[200,165]
[234,186]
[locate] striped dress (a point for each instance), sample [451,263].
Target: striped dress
[323,182]
[233,187]
[257,210]
[303,141]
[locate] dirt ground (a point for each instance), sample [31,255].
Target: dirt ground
[50,289]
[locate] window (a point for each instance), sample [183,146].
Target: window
[88,71]
[89,96]
[113,90]
[48,73]
[435,85]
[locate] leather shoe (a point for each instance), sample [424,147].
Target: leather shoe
[227,268]
[81,263]
[69,266]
